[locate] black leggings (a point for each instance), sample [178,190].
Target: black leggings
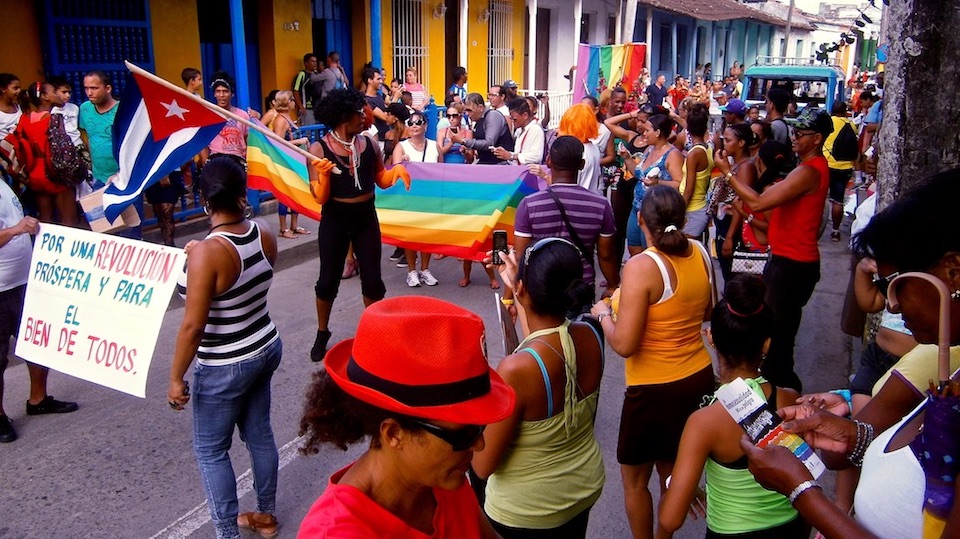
[341,224]
[575,528]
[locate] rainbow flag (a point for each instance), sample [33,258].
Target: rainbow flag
[617,64]
[453,209]
[280,170]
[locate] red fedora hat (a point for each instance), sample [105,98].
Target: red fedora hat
[422,357]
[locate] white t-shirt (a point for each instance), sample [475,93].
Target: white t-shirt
[430,153]
[589,176]
[529,147]
[602,139]
[502,109]
[71,116]
[9,121]
[15,254]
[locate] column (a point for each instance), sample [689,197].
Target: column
[618,32]
[577,20]
[694,49]
[673,51]
[376,29]
[239,39]
[532,46]
[649,41]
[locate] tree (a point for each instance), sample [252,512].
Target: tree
[920,133]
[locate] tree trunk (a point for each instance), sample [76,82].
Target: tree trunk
[920,133]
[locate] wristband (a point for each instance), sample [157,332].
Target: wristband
[845,393]
[506,301]
[801,488]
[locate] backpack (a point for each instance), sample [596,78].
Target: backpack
[64,163]
[16,155]
[846,146]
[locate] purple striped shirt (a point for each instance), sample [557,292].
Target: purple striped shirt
[590,214]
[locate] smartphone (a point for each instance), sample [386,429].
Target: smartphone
[499,246]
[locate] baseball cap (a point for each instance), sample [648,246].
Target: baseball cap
[509,83]
[735,106]
[813,119]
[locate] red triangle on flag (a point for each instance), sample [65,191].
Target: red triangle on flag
[170,111]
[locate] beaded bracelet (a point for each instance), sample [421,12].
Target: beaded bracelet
[864,438]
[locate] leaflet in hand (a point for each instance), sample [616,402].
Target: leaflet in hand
[763,425]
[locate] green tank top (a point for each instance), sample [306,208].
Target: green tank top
[736,503]
[553,469]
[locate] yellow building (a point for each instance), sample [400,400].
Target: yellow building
[434,36]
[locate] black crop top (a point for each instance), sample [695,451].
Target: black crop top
[343,185]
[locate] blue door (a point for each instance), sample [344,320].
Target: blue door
[331,32]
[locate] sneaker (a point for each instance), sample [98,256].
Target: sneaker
[7,434]
[427,278]
[835,235]
[397,255]
[50,405]
[319,346]
[413,280]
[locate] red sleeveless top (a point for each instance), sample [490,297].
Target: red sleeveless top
[794,225]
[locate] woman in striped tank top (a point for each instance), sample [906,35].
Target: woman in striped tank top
[227,327]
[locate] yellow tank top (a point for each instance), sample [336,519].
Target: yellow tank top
[671,347]
[699,199]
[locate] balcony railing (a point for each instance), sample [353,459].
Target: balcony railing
[559,102]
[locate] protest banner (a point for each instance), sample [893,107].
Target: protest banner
[94,305]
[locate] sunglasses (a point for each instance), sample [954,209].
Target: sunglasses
[798,134]
[883,283]
[453,115]
[411,123]
[459,439]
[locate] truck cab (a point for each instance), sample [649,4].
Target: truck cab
[810,81]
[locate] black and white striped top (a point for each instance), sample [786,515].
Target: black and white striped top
[239,325]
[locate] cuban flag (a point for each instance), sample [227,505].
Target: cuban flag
[156,131]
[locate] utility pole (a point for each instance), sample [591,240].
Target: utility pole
[786,34]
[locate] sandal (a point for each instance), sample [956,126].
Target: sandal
[350,269]
[301,230]
[287,233]
[263,523]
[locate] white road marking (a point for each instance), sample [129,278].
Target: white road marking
[198,516]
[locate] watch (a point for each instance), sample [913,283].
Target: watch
[601,315]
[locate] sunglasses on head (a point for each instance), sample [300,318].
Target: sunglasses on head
[412,122]
[459,439]
[522,270]
[883,283]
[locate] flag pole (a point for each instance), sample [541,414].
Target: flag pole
[220,111]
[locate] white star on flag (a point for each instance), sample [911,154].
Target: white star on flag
[173,109]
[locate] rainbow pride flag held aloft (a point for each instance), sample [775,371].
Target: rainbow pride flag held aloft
[453,209]
[280,170]
[618,64]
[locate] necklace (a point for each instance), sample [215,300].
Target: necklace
[354,159]
[237,222]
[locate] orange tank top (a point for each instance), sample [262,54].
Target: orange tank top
[671,347]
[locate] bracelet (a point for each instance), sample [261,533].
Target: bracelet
[864,438]
[601,315]
[801,488]
[749,219]
[506,301]
[729,175]
[845,393]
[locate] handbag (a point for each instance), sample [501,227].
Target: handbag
[749,261]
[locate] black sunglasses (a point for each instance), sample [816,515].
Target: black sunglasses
[459,439]
[883,283]
[452,115]
[411,123]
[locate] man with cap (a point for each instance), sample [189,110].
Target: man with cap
[508,90]
[734,112]
[794,268]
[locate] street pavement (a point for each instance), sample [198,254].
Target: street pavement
[124,467]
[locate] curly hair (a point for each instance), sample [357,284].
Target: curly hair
[332,416]
[338,106]
[579,121]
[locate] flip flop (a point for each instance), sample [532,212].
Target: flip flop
[301,230]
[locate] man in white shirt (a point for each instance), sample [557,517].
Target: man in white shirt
[496,101]
[529,135]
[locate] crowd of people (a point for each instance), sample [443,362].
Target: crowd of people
[614,252]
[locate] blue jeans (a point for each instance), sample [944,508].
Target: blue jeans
[236,394]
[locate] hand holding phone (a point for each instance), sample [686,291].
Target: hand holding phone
[499,246]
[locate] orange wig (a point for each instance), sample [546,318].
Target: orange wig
[580,122]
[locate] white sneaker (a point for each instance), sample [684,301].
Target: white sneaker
[412,280]
[427,278]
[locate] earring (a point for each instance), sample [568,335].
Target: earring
[955,295]
[247,211]
[206,210]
